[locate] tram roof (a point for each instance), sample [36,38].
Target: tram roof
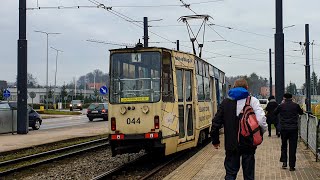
[163,48]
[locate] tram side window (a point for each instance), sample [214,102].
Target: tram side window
[201,80]
[206,83]
[179,84]
[188,77]
[167,83]
[201,95]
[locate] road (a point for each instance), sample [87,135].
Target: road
[67,121]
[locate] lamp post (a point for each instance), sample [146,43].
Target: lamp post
[55,76]
[47,33]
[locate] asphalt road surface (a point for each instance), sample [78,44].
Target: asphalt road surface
[68,121]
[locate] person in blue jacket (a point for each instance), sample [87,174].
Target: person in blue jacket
[228,117]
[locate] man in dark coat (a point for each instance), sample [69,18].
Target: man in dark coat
[289,114]
[271,117]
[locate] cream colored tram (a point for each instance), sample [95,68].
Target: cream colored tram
[161,100]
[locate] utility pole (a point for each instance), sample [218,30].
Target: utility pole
[314,85]
[75,88]
[307,43]
[145,34]
[85,88]
[279,53]
[47,75]
[270,67]
[55,77]
[22,116]
[94,80]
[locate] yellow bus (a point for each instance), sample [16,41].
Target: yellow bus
[161,100]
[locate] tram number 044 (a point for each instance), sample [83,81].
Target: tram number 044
[133,121]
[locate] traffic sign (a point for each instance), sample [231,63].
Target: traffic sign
[6,93]
[103,90]
[32,94]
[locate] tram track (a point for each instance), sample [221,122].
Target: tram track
[162,166]
[148,166]
[118,169]
[21,163]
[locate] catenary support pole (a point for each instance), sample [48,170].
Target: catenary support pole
[308,89]
[22,116]
[145,29]
[270,67]
[279,53]
[178,45]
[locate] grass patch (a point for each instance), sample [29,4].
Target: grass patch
[5,156]
[53,112]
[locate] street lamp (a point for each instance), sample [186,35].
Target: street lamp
[47,33]
[55,77]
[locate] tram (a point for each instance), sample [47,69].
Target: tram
[161,100]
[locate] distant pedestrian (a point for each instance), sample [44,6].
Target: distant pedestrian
[271,117]
[228,116]
[289,114]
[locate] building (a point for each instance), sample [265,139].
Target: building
[3,84]
[95,85]
[265,91]
[41,94]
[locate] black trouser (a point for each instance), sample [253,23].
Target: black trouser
[276,125]
[292,136]
[232,165]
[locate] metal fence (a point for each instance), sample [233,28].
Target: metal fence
[309,132]
[303,128]
[8,121]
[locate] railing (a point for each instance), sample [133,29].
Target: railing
[309,132]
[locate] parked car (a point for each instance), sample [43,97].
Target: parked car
[263,103]
[76,104]
[97,110]
[35,119]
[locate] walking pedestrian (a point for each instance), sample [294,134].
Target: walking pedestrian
[288,113]
[271,117]
[228,116]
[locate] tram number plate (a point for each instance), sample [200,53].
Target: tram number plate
[133,121]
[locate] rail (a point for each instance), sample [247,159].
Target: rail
[118,169]
[309,132]
[51,156]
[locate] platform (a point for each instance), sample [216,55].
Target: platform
[209,164]
[11,142]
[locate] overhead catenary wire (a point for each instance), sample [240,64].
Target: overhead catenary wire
[242,58]
[124,17]
[109,9]
[128,19]
[122,6]
[166,5]
[230,28]
[111,43]
[235,43]
[223,38]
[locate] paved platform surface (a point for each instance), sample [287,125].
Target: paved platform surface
[209,164]
[10,142]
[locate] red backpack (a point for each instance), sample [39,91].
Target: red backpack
[249,126]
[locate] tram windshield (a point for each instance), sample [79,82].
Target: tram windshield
[135,77]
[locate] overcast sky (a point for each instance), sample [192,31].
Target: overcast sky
[247,18]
